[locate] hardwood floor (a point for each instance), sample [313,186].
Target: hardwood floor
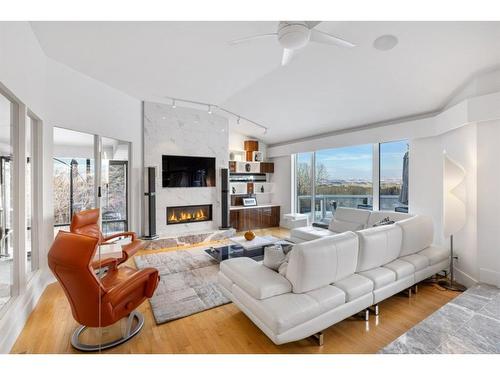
[226,329]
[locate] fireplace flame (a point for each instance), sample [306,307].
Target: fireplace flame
[182,216]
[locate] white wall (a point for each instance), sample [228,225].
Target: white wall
[282,180]
[426,191]
[488,203]
[60,96]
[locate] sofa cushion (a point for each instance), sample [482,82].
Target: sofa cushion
[255,278]
[328,297]
[418,233]
[274,257]
[435,254]
[339,226]
[280,313]
[378,246]
[419,261]
[377,216]
[318,263]
[355,286]
[310,233]
[401,268]
[380,276]
[349,219]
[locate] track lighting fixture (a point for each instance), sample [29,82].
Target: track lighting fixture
[210,110]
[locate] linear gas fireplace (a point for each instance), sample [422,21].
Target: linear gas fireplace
[189,214]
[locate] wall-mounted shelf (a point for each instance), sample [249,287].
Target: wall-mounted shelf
[242,188]
[251,167]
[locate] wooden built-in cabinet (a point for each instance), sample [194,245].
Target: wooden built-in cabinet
[266,167]
[255,217]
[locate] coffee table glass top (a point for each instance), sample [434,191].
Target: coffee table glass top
[258,241]
[220,253]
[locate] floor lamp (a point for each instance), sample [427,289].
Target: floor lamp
[454,211]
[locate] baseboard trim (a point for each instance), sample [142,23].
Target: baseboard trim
[464,278]
[13,320]
[488,276]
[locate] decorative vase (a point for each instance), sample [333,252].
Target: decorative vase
[249,236]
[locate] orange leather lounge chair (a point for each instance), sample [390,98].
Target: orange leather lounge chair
[99,302]
[87,223]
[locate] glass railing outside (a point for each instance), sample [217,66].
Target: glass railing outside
[325,205]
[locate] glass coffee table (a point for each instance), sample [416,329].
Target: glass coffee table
[242,248]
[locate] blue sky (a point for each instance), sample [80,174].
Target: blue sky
[355,162]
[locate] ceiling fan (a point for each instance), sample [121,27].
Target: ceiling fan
[294,35]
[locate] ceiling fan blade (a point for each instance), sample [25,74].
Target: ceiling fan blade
[311,24]
[250,38]
[321,37]
[287,56]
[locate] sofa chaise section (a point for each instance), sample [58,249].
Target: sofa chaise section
[324,289]
[331,278]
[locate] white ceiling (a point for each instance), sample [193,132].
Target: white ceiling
[323,89]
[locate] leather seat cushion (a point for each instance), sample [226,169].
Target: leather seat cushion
[318,263]
[418,233]
[401,268]
[355,286]
[419,261]
[282,312]
[378,246]
[380,276]
[435,254]
[253,277]
[310,233]
[328,297]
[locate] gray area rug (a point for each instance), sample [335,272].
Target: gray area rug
[188,283]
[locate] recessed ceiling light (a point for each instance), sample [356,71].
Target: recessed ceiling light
[385,42]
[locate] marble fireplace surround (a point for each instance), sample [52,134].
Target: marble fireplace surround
[187,132]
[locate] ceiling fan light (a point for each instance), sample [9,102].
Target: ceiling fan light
[385,42]
[294,36]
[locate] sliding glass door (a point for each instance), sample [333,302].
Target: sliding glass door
[73,179]
[89,172]
[114,185]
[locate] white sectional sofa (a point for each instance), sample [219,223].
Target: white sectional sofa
[345,219]
[333,277]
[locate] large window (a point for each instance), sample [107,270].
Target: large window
[394,176]
[6,201]
[345,177]
[304,186]
[30,186]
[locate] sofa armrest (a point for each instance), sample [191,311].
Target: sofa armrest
[254,278]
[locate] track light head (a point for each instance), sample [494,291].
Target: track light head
[209,109]
[238,121]
[173,104]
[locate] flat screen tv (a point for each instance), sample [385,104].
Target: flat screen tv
[187,171]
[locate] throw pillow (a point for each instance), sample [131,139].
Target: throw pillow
[384,221]
[273,257]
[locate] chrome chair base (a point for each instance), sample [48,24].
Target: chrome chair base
[129,333]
